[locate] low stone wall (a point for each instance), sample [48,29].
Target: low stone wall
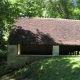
[15,60]
[21,60]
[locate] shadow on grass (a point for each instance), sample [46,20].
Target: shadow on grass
[56,68]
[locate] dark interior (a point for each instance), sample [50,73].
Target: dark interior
[69,50]
[36,49]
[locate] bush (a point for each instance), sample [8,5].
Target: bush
[3,50]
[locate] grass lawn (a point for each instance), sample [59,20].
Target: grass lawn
[56,68]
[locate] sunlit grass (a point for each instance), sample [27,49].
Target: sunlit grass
[60,68]
[56,68]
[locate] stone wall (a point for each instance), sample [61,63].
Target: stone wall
[14,60]
[20,60]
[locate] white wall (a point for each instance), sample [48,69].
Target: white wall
[12,50]
[55,50]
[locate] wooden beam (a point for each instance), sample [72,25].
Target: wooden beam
[19,49]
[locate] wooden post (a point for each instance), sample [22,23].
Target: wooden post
[18,49]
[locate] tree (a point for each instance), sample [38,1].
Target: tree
[32,8]
[8,12]
[59,9]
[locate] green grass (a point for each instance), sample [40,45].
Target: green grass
[61,68]
[56,68]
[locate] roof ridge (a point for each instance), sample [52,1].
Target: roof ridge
[47,18]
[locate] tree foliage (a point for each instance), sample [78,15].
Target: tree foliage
[12,9]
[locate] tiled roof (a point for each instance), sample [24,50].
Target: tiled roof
[45,31]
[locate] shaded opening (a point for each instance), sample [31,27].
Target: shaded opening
[36,49]
[69,50]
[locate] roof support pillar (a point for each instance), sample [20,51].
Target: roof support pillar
[19,49]
[55,50]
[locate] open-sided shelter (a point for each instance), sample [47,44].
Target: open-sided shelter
[31,38]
